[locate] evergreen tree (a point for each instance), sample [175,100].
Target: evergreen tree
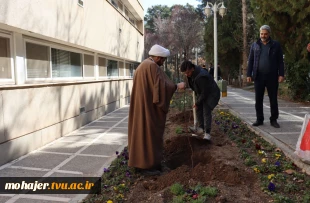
[290,25]
[230,37]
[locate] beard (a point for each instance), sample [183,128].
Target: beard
[264,39]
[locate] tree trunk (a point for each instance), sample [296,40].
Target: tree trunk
[245,55]
[177,67]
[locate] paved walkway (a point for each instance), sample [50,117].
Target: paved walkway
[83,153]
[242,104]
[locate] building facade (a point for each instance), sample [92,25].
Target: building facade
[63,64]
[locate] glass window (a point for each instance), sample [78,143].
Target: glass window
[66,64]
[81,2]
[112,69]
[129,69]
[102,67]
[120,6]
[121,69]
[5,59]
[114,2]
[89,65]
[37,57]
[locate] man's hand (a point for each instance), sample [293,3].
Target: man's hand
[249,79]
[181,85]
[281,79]
[308,47]
[195,107]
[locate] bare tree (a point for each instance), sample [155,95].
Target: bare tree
[187,29]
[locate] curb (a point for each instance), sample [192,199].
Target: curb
[269,138]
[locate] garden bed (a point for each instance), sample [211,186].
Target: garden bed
[237,166]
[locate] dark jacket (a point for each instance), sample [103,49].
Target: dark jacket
[275,59]
[204,86]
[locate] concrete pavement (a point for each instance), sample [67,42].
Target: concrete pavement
[83,153]
[241,103]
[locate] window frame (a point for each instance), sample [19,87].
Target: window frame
[107,62]
[82,5]
[51,45]
[25,59]
[83,71]
[9,81]
[105,66]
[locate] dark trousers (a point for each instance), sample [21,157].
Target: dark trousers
[204,116]
[271,83]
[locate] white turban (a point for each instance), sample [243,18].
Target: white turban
[157,50]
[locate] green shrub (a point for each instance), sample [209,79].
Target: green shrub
[209,191]
[177,189]
[178,130]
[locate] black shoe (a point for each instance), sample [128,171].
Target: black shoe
[275,124]
[152,172]
[147,172]
[258,123]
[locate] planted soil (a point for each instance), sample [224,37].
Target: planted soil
[190,161]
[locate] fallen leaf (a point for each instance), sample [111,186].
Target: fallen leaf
[290,171]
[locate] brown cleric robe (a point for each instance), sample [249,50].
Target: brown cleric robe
[149,103]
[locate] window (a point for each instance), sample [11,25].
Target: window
[102,67]
[114,3]
[112,69]
[126,13]
[66,64]
[37,57]
[89,65]
[81,3]
[120,6]
[121,69]
[129,69]
[5,59]
[130,17]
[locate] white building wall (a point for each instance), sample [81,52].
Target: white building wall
[96,25]
[36,112]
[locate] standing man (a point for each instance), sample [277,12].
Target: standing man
[207,93]
[149,103]
[266,66]
[211,70]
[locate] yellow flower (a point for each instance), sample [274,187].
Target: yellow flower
[222,113]
[264,160]
[277,155]
[256,170]
[109,201]
[121,196]
[260,152]
[122,185]
[171,101]
[270,176]
[115,188]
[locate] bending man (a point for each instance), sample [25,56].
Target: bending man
[208,96]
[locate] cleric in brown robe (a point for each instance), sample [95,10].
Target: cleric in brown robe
[149,103]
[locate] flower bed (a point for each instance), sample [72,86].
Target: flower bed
[279,176]
[239,166]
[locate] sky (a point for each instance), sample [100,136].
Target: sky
[149,3]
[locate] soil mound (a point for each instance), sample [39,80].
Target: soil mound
[189,161]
